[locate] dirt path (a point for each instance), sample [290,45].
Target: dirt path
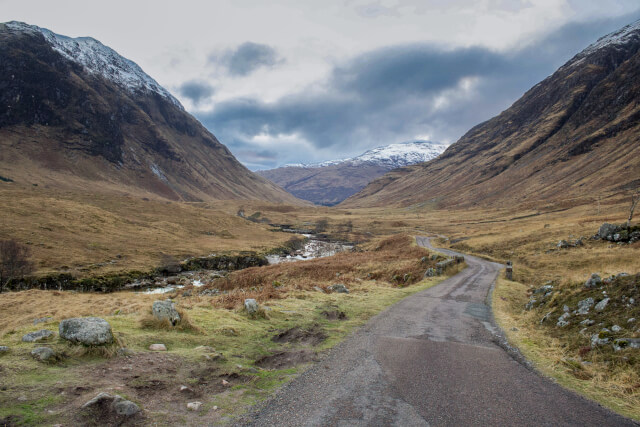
[431,359]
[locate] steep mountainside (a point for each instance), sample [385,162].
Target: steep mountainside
[573,136]
[76,115]
[331,182]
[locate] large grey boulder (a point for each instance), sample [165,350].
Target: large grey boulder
[109,406]
[43,354]
[86,330]
[607,231]
[251,305]
[166,310]
[594,281]
[41,335]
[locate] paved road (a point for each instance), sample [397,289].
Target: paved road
[431,359]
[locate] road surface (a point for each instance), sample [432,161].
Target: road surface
[431,359]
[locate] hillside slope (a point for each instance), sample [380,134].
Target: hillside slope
[573,136]
[331,182]
[76,115]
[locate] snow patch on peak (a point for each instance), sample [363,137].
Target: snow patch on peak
[390,156]
[619,37]
[97,58]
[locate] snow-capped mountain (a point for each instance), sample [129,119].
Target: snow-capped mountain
[76,114]
[328,183]
[97,58]
[391,156]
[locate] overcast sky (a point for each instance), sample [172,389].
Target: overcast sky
[305,81]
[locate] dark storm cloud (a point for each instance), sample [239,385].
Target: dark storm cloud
[196,91]
[248,57]
[398,92]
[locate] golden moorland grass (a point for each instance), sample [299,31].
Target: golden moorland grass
[234,343]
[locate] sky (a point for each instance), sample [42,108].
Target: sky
[290,81]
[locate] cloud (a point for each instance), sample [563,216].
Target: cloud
[247,58]
[396,93]
[196,91]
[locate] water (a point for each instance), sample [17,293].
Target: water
[312,249]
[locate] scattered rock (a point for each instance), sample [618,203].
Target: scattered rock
[44,354]
[588,322]
[41,335]
[110,409]
[594,281]
[339,288]
[601,338]
[585,305]
[226,383]
[158,347]
[545,317]
[210,292]
[565,308]
[546,289]
[622,343]
[4,349]
[251,305]
[531,303]
[616,328]
[334,315]
[194,406]
[185,389]
[631,320]
[602,304]
[607,230]
[86,330]
[431,272]
[319,289]
[42,320]
[562,320]
[166,310]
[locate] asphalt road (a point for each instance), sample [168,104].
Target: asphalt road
[431,359]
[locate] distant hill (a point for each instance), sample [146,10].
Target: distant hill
[572,136]
[76,115]
[331,182]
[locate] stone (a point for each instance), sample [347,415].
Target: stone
[194,406]
[226,383]
[563,244]
[594,281]
[616,328]
[185,389]
[531,303]
[601,338]
[631,320]
[251,306]
[431,272]
[588,322]
[210,292]
[585,305]
[606,230]
[158,347]
[562,320]
[544,289]
[319,289]
[565,308]
[339,288]
[114,405]
[86,331]
[41,335]
[43,354]
[602,304]
[4,349]
[622,343]
[166,310]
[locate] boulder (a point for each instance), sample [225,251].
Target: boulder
[594,281]
[43,354]
[86,331]
[585,305]
[602,304]
[107,406]
[607,231]
[339,288]
[601,338]
[251,305]
[158,347]
[41,335]
[562,320]
[166,310]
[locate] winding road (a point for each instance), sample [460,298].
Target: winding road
[432,359]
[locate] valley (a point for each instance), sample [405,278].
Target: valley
[148,277]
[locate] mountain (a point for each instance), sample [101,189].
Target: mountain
[571,137]
[74,114]
[331,182]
